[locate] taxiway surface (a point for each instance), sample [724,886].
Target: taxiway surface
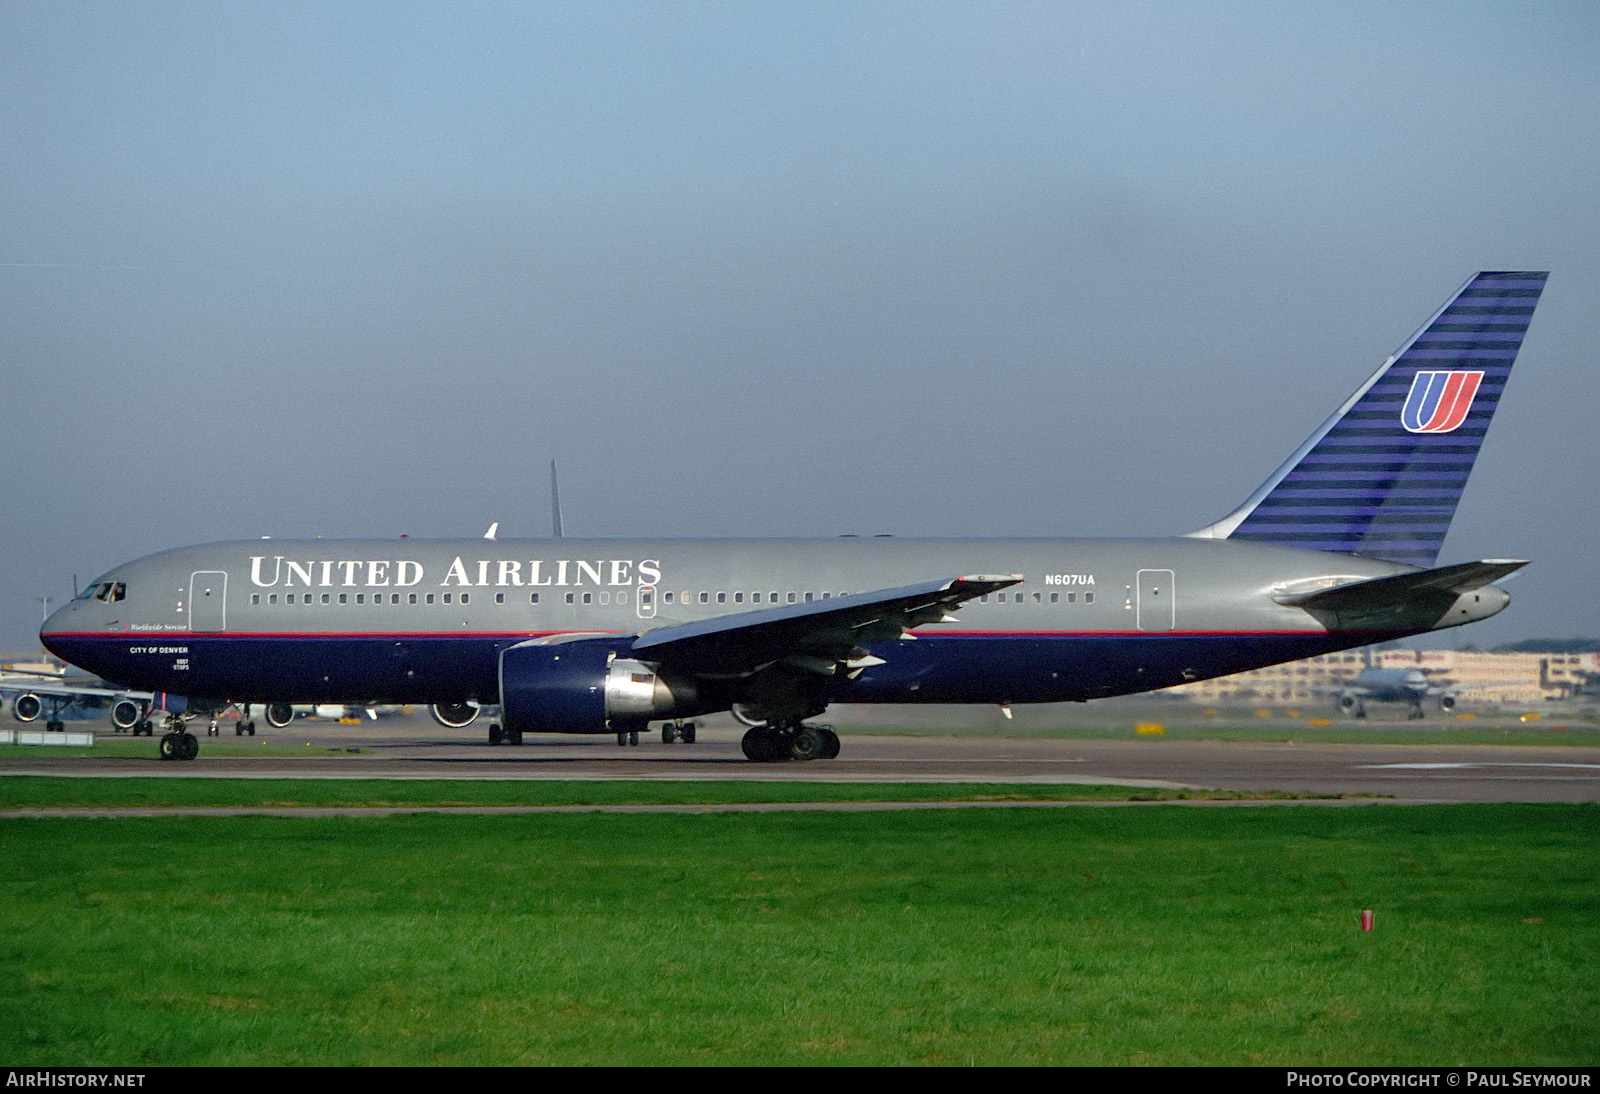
[414,748]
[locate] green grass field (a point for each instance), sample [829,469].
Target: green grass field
[1163,934]
[44,791]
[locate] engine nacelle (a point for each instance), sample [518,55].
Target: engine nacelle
[26,707]
[1447,702]
[279,714]
[455,715]
[125,713]
[583,687]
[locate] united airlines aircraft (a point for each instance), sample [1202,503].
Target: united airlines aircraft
[1337,549]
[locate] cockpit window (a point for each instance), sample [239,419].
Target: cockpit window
[108,591]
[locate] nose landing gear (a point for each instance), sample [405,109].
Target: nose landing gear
[177,743]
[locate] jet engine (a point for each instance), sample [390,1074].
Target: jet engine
[454,715]
[584,687]
[26,707]
[125,714]
[279,714]
[1447,702]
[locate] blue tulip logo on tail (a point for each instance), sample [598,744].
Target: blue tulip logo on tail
[1438,401]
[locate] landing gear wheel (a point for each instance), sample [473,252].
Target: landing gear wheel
[54,725]
[511,736]
[764,745]
[145,728]
[170,747]
[633,736]
[686,733]
[830,747]
[807,743]
[188,746]
[496,736]
[669,733]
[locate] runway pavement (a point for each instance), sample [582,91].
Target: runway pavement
[414,748]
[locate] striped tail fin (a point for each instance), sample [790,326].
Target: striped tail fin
[1383,475]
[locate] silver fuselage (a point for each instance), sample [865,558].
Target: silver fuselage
[425,621]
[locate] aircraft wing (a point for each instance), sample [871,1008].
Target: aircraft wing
[821,636]
[1400,599]
[60,691]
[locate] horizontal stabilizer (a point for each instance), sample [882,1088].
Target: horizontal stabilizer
[1400,599]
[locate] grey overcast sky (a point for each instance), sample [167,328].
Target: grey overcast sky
[799,268]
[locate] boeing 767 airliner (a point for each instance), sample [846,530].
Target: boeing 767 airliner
[1337,549]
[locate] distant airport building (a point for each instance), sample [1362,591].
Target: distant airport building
[1513,678]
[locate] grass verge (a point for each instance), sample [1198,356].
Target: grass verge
[47,791]
[998,937]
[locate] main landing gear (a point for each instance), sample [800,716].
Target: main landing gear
[775,742]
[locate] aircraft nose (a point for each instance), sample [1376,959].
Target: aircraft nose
[58,623]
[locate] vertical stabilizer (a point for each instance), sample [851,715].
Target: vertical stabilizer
[1383,475]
